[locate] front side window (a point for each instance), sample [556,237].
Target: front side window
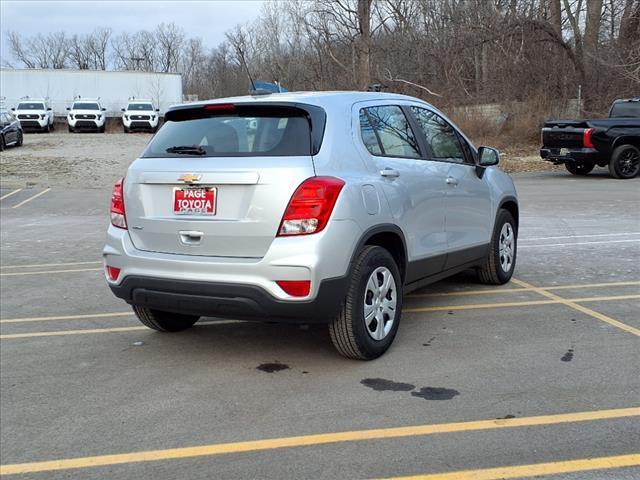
[386,131]
[440,136]
[85,106]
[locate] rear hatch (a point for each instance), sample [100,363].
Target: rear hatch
[216,179]
[564,133]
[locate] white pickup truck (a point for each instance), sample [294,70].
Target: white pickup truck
[34,114]
[86,114]
[140,114]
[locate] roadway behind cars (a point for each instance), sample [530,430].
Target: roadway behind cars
[545,367]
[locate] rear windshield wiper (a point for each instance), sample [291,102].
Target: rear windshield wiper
[187,150]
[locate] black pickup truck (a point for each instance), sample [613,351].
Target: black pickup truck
[583,144]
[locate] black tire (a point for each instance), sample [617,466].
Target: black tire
[625,162]
[492,271]
[20,140]
[101,129]
[349,331]
[71,129]
[47,128]
[579,167]
[125,129]
[164,321]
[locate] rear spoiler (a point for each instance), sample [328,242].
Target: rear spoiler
[315,115]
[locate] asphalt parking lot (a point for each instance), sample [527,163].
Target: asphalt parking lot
[537,377]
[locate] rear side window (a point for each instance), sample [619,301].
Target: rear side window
[385,131]
[441,137]
[254,132]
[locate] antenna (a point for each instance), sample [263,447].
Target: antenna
[244,62]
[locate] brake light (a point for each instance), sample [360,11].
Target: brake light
[295,288]
[310,206]
[113,273]
[118,216]
[220,107]
[586,138]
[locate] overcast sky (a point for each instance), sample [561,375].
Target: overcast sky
[205,19]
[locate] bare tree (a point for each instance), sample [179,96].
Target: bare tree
[170,40]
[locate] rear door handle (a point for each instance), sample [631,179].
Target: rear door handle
[452,181]
[191,237]
[390,172]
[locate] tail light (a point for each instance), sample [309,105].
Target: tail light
[295,288]
[586,138]
[118,216]
[310,206]
[113,273]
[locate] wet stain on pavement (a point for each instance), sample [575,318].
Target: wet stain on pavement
[428,344]
[567,357]
[272,367]
[436,393]
[506,417]
[382,385]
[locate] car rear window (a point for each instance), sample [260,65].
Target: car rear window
[239,132]
[625,109]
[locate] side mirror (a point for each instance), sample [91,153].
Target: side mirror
[49,109]
[69,108]
[122,109]
[157,109]
[488,156]
[13,109]
[104,109]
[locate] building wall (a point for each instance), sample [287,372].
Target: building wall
[113,88]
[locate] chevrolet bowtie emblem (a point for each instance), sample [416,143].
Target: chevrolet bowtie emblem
[190,178]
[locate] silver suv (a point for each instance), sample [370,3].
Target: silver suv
[309,208]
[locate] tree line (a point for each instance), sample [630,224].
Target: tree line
[451,52]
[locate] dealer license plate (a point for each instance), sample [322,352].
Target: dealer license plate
[194,201]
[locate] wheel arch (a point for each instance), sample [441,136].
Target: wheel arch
[626,140]
[510,204]
[389,237]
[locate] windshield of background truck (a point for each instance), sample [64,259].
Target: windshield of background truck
[140,106]
[30,106]
[85,106]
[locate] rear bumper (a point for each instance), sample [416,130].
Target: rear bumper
[225,300]
[557,156]
[238,287]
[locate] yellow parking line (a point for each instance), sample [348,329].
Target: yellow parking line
[521,471]
[587,311]
[67,317]
[31,198]
[40,272]
[556,300]
[60,333]
[10,336]
[317,439]
[49,265]
[471,306]
[489,291]
[10,193]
